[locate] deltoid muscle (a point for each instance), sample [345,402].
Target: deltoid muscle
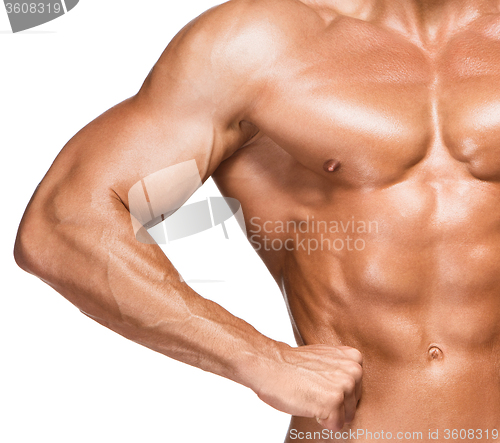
[159,197]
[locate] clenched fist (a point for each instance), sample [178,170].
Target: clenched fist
[314,381]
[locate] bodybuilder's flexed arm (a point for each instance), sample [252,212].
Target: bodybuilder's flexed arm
[77,233]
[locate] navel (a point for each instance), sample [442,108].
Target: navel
[331,165]
[435,353]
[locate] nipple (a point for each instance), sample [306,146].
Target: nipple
[435,353]
[331,165]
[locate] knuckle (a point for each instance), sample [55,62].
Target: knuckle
[356,371]
[357,356]
[349,384]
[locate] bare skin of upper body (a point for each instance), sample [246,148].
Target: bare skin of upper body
[378,116]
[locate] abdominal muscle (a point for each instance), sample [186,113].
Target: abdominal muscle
[425,367]
[401,399]
[422,306]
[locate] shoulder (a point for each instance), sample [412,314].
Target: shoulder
[228,55]
[244,34]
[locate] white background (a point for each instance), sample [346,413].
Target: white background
[65,378]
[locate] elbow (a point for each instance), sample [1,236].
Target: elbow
[21,250]
[28,246]
[20,254]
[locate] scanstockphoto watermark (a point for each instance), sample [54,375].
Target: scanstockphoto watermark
[311,234]
[356,434]
[365,434]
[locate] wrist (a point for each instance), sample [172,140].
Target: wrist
[256,365]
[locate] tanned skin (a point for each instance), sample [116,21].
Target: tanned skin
[376,110]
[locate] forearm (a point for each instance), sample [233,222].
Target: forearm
[196,331]
[133,289]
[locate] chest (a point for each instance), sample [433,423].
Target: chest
[381,106]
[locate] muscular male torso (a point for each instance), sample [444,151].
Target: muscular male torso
[361,138]
[394,249]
